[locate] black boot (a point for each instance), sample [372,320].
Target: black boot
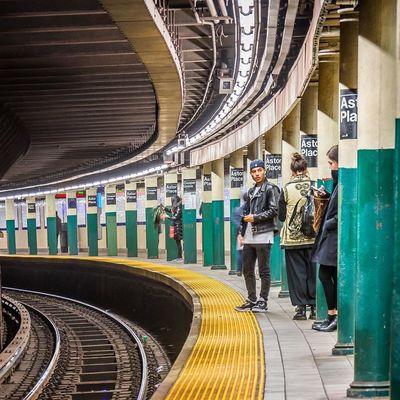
[329,325]
[300,313]
[312,314]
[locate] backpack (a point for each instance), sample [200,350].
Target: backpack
[306,213]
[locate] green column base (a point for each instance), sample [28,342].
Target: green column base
[11,240]
[93,246]
[284,293]
[32,237]
[151,234]
[231,272]
[321,306]
[276,262]
[189,236]
[219,267]
[218,235]
[343,349]
[347,260]
[207,234]
[52,235]
[131,233]
[111,234]
[72,227]
[234,203]
[365,390]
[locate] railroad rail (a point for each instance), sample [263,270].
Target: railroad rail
[101,356]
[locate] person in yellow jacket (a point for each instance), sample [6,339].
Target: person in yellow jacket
[301,272]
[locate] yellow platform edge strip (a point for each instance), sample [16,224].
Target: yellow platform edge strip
[227,360]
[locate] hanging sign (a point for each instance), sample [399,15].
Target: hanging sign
[189,186]
[273,165]
[31,208]
[111,199]
[171,189]
[237,177]
[189,194]
[151,193]
[131,196]
[92,200]
[72,202]
[348,114]
[309,149]
[207,182]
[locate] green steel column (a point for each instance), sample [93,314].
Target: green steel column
[273,162]
[151,229]
[111,221]
[72,224]
[189,216]
[217,183]
[131,219]
[395,337]
[171,189]
[328,135]
[284,292]
[375,170]
[290,144]
[52,239]
[207,218]
[10,227]
[31,225]
[236,182]
[347,206]
[92,222]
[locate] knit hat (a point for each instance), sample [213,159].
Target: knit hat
[257,164]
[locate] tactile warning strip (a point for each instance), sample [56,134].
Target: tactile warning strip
[227,360]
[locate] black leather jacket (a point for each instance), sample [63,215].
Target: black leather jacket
[263,207]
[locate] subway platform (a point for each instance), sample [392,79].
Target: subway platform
[244,355]
[298,360]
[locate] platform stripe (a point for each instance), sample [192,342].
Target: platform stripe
[227,361]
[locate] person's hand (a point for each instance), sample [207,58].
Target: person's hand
[241,240]
[320,192]
[248,218]
[162,217]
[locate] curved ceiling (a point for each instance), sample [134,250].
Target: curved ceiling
[74,85]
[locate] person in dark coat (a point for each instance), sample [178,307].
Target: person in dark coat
[326,247]
[175,214]
[257,228]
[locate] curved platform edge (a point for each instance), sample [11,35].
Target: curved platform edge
[223,355]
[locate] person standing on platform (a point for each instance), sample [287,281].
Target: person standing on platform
[326,247]
[257,229]
[175,214]
[298,247]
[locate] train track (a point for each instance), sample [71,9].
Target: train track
[99,356]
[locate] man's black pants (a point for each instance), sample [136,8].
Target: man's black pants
[261,253]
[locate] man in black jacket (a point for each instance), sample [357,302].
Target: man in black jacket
[257,234]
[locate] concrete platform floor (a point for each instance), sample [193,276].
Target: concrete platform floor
[299,362]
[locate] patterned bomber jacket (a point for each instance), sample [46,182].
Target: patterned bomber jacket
[293,191]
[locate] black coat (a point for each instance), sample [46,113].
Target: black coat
[326,243]
[175,214]
[263,207]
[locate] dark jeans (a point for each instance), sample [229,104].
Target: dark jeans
[301,276]
[261,253]
[179,246]
[328,277]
